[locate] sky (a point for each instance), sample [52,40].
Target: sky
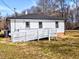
[71,3]
[18,4]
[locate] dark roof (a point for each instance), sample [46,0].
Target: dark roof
[36,16]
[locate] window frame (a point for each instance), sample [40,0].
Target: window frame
[57,24]
[40,24]
[27,24]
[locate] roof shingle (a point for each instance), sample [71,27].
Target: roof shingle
[36,16]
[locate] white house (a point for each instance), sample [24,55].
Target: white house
[34,26]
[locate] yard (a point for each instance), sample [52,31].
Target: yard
[61,48]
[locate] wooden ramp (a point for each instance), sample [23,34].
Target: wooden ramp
[31,34]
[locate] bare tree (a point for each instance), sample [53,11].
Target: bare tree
[48,5]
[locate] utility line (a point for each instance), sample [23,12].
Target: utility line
[7,5]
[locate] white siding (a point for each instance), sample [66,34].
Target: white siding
[49,24]
[12,26]
[61,27]
[17,25]
[20,25]
[34,25]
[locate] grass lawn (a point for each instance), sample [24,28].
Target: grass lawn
[65,48]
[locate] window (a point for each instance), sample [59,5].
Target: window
[57,24]
[40,24]
[27,24]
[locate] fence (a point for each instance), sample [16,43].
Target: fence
[32,34]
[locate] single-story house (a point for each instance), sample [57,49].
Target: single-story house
[34,26]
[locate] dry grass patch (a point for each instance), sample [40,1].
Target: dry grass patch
[66,48]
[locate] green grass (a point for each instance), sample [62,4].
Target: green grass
[66,48]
